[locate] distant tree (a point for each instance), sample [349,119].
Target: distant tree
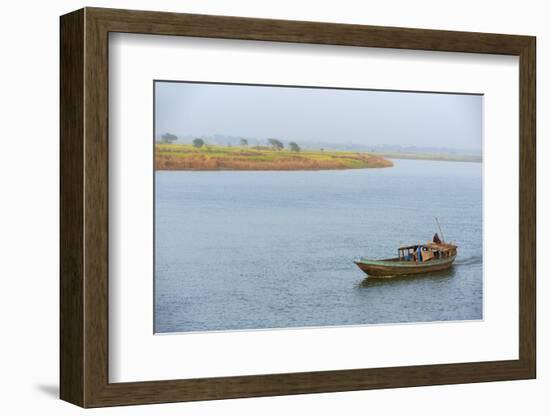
[294,147]
[168,138]
[243,142]
[276,144]
[198,143]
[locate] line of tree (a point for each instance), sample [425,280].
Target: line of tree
[276,144]
[293,146]
[198,143]
[168,138]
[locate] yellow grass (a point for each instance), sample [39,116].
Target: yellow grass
[188,157]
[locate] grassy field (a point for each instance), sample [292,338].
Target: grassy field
[188,157]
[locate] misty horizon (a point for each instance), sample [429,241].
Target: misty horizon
[341,118]
[234,140]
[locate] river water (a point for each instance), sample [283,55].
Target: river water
[239,250]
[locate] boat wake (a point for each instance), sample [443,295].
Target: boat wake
[468,261]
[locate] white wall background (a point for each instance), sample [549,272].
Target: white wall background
[29,206]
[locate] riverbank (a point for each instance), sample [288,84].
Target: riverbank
[188,157]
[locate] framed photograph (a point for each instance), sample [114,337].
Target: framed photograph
[254,207]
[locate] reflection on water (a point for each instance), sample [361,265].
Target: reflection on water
[250,250]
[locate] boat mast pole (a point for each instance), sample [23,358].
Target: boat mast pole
[441,232]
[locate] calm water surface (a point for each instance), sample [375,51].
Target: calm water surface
[249,250]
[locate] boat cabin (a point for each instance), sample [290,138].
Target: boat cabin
[425,252]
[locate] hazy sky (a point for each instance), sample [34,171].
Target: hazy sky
[320,115]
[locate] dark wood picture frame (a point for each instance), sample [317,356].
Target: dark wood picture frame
[84,207]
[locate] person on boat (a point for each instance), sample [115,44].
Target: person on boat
[436,239]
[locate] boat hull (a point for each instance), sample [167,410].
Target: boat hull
[394,268]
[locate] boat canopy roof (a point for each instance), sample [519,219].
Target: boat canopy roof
[431,246]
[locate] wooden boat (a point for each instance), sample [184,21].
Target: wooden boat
[415,259]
